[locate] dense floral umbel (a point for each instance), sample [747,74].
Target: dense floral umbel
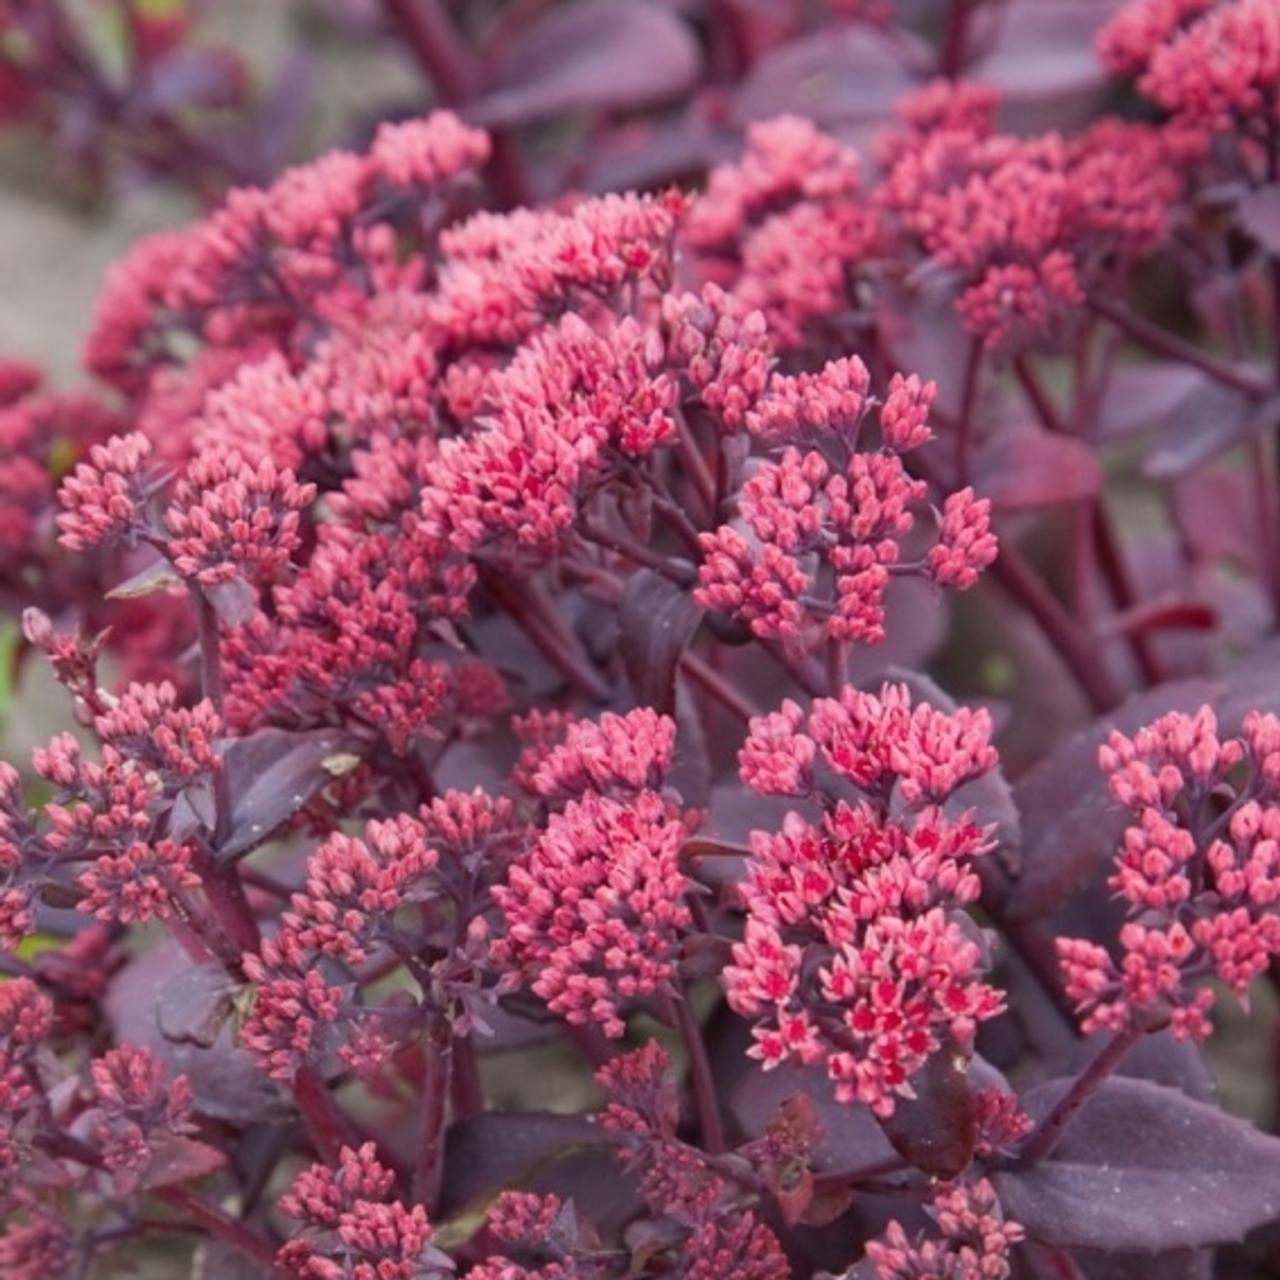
[1201,885]
[596,910]
[820,539]
[975,1245]
[855,954]
[1212,63]
[353,1230]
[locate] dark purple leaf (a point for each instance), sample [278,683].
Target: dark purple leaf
[851,1138]
[1216,513]
[1145,396]
[225,1080]
[935,1131]
[1260,217]
[1045,56]
[271,774]
[1211,420]
[1070,824]
[656,621]
[283,110]
[834,77]
[1144,1167]
[195,1003]
[176,1159]
[1177,1264]
[1024,470]
[499,1149]
[603,55]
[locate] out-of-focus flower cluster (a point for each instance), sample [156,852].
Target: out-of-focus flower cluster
[856,954]
[1198,871]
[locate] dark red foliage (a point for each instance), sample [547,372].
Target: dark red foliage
[489,623]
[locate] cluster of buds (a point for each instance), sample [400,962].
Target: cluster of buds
[856,954]
[596,910]
[975,1240]
[824,523]
[1198,871]
[350,1226]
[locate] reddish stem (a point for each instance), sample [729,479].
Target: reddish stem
[1048,1133]
[1164,343]
[1076,650]
[429,1168]
[326,1125]
[220,1225]
[700,1075]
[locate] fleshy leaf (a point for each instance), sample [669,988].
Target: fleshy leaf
[602,55]
[1143,1166]
[1024,470]
[656,620]
[272,774]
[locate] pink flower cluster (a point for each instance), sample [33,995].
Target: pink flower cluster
[352,1229]
[1210,63]
[595,912]
[1202,891]
[1024,225]
[229,517]
[352,891]
[110,814]
[975,1246]
[821,538]
[135,1103]
[855,953]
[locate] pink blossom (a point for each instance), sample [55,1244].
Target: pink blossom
[966,544]
[437,149]
[618,756]
[230,518]
[103,498]
[975,1246]
[595,911]
[139,883]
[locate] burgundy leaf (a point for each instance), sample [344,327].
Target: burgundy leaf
[225,1080]
[851,1138]
[603,55]
[1045,51]
[177,1159]
[193,78]
[1213,419]
[1145,395]
[1141,1167]
[656,621]
[1260,216]
[833,77]
[272,773]
[488,1152]
[1216,513]
[1024,470]
[935,1131]
[195,1003]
